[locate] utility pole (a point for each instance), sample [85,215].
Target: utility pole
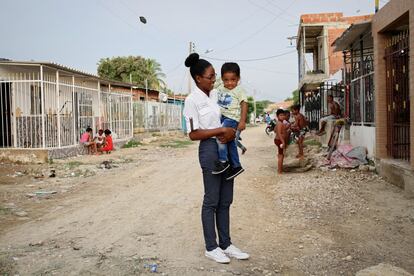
[254,106]
[191,50]
[146,104]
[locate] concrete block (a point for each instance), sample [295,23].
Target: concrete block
[398,173]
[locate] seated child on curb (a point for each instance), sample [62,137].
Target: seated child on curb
[87,141]
[232,100]
[280,138]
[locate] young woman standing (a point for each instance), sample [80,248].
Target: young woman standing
[202,116]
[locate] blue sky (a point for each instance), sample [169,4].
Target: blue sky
[78,33]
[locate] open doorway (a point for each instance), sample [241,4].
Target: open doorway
[5,119]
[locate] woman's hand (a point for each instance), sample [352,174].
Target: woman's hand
[227,134]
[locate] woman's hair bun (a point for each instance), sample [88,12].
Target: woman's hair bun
[192,59]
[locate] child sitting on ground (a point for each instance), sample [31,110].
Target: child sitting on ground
[87,141]
[99,138]
[232,100]
[108,146]
[280,138]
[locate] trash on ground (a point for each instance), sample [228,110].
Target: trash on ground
[152,267]
[52,173]
[347,157]
[41,193]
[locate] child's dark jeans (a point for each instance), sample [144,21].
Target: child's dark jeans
[229,149]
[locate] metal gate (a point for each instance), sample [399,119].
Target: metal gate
[315,102]
[398,100]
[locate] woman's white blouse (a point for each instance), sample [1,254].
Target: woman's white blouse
[202,109]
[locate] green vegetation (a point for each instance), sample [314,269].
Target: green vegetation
[294,97]
[73,164]
[132,144]
[177,144]
[260,106]
[4,210]
[135,68]
[312,142]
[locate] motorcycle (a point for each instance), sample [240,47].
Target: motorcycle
[270,127]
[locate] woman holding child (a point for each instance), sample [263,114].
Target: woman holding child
[203,116]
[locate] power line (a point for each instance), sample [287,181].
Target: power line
[151,23]
[269,71]
[123,19]
[276,17]
[252,59]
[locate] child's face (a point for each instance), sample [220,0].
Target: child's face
[100,132]
[281,117]
[230,80]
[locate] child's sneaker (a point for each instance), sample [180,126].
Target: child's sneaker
[234,172]
[220,167]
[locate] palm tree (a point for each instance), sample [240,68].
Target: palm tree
[154,74]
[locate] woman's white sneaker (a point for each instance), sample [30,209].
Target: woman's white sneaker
[234,252]
[218,256]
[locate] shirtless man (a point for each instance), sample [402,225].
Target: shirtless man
[334,113]
[299,128]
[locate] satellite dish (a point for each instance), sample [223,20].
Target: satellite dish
[143,19]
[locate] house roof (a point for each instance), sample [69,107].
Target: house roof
[65,68]
[352,34]
[281,105]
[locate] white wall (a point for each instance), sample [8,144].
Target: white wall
[363,136]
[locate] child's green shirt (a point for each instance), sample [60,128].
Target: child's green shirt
[230,100]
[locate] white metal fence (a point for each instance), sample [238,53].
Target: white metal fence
[157,116]
[47,108]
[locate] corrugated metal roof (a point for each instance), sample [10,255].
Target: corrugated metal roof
[65,68]
[351,35]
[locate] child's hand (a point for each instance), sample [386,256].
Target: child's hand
[241,126]
[282,146]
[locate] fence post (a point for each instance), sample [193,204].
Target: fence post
[110,107]
[131,114]
[58,107]
[42,99]
[75,108]
[99,106]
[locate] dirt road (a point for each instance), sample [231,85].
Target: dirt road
[146,210]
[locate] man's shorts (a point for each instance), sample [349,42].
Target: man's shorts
[328,118]
[278,143]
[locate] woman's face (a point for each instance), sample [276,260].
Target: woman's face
[206,81]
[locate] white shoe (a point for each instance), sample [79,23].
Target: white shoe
[218,256]
[234,252]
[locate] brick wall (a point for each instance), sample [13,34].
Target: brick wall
[333,32]
[321,17]
[332,18]
[335,58]
[381,21]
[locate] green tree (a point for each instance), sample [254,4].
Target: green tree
[250,107]
[294,97]
[135,67]
[261,105]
